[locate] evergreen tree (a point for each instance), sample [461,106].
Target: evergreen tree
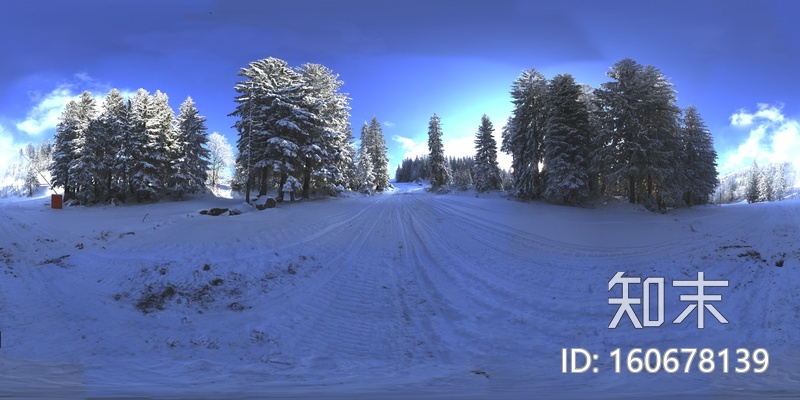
[376,146]
[273,119]
[752,193]
[440,171]
[113,122]
[327,131]
[31,172]
[347,162]
[190,161]
[132,161]
[641,142]
[154,166]
[595,141]
[66,130]
[365,172]
[765,177]
[700,164]
[487,173]
[780,183]
[567,154]
[85,165]
[524,133]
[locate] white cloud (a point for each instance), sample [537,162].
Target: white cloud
[44,115]
[411,147]
[773,138]
[765,112]
[389,124]
[47,108]
[460,147]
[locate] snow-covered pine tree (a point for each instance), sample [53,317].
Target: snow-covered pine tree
[86,163]
[700,163]
[523,133]
[365,172]
[31,172]
[587,97]
[326,127]
[113,122]
[378,152]
[347,162]
[765,178]
[220,159]
[189,161]
[440,171]
[132,161]
[663,173]
[619,155]
[487,172]
[751,192]
[272,112]
[567,152]
[153,169]
[780,183]
[641,146]
[66,131]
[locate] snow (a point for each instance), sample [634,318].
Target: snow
[400,295]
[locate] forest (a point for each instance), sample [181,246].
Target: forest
[569,143]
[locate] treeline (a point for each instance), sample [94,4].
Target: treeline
[23,177]
[570,143]
[294,127]
[135,149]
[626,138]
[463,170]
[768,182]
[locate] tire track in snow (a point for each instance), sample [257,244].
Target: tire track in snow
[492,308]
[346,316]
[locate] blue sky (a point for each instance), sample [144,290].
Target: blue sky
[401,61]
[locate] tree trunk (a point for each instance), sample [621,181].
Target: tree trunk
[284,176]
[307,182]
[263,182]
[632,189]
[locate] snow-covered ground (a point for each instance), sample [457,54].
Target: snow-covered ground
[401,295]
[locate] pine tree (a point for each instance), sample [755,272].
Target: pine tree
[113,122]
[440,171]
[66,130]
[327,128]
[567,154]
[31,173]
[347,162]
[641,141]
[153,168]
[273,116]
[487,172]
[377,150]
[189,161]
[365,172]
[86,160]
[132,161]
[523,134]
[780,183]
[595,141]
[765,177]
[751,192]
[700,164]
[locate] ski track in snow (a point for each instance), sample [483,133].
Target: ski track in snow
[392,296]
